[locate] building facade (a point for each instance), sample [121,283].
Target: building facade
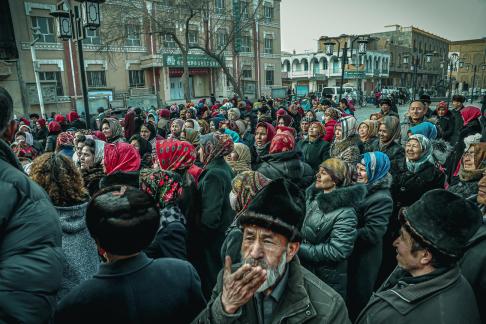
[144,71]
[473,74]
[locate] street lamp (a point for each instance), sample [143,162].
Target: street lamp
[466,65]
[452,62]
[35,64]
[414,67]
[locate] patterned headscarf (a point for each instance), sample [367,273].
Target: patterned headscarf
[244,158]
[204,127]
[164,186]
[373,127]
[392,125]
[121,156]
[333,113]
[282,141]
[65,139]
[116,129]
[425,156]
[245,186]
[192,136]
[348,126]
[175,155]
[377,165]
[215,146]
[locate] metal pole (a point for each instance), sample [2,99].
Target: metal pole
[451,66]
[36,74]
[473,83]
[414,78]
[343,64]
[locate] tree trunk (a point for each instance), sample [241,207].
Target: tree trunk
[185,77]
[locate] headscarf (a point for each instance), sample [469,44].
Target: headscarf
[164,113]
[286,129]
[144,146]
[29,139]
[333,113]
[59,118]
[288,120]
[270,130]
[204,127]
[469,114]
[236,111]
[479,163]
[65,139]
[338,170]
[155,116]
[116,129]
[392,124]
[244,158]
[195,123]
[322,130]
[373,127]
[215,146]
[427,129]
[234,135]
[130,124]
[42,122]
[425,156]
[443,104]
[54,127]
[246,186]
[241,126]
[99,135]
[377,165]
[282,141]
[72,116]
[348,126]
[179,122]
[175,155]
[121,156]
[164,186]
[192,136]
[151,128]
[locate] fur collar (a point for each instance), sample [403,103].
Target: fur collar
[342,197]
[383,183]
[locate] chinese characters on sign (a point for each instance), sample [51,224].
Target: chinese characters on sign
[175,60]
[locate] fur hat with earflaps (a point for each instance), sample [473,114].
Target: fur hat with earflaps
[279,207]
[446,229]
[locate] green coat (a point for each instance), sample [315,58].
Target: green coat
[216,215]
[306,300]
[314,153]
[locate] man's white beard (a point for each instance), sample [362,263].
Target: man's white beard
[273,274]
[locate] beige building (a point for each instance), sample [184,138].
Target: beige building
[144,71]
[473,53]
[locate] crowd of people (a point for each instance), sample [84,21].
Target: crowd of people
[273,211]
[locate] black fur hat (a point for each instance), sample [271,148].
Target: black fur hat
[279,207]
[444,220]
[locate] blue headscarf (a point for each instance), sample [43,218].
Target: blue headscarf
[234,135]
[427,129]
[377,165]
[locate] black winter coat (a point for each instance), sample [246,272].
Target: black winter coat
[329,233]
[396,154]
[130,178]
[374,213]
[51,143]
[287,165]
[370,145]
[31,258]
[445,126]
[473,267]
[314,153]
[135,290]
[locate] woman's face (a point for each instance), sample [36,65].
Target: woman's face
[441,111]
[21,140]
[106,130]
[188,124]
[135,144]
[468,160]
[362,175]
[86,159]
[413,150]
[145,133]
[175,129]
[338,132]
[309,114]
[327,117]
[79,148]
[383,133]
[324,180]
[188,115]
[234,156]
[212,127]
[363,130]
[261,136]
[313,131]
[231,115]
[281,122]
[151,120]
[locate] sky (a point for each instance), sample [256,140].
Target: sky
[304,21]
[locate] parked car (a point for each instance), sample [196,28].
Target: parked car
[348,93]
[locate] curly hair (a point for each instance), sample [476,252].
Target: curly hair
[60,178]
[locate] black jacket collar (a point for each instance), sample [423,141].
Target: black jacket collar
[124,267]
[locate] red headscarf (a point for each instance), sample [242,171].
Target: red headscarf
[54,127]
[99,135]
[65,139]
[287,129]
[121,156]
[59,118]
[25,121]
[42,122]
[281,112]
[470,113]
[72,116]
[270,130]
[443,104]
[129,124]
[175,155]
[164,113]
[282,141]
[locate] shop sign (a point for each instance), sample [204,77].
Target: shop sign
[193,60]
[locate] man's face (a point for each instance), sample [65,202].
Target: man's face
[269,250]
[407,260]
[385,107]
[314,131]
[456,104]
[304,125]
[261,136]
[416,110]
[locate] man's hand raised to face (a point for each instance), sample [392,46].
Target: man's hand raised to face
[240,286]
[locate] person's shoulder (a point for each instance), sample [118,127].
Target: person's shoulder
[317,290]
[173,264]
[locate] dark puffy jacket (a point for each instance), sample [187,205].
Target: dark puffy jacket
[51,143]
[396,154]
[31,259]
[329,233]
[370,145]
[445,126]
[465,189]
[287,165]
[374,213]
[314,153]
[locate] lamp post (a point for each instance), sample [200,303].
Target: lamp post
[37,34]
[452,62]
[414,67]
[329,50]
[72,24]
[466,65]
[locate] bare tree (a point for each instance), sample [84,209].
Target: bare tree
[222,29]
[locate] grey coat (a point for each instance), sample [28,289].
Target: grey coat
[329,233]
[80,254]
[306,300]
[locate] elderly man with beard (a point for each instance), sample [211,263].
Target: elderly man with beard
[271,286]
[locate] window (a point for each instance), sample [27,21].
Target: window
[245,8]
[96,79]
[92,37]
[268,48]
[193,37]
[133,35]
[245,44]
[246,73]
[268,13]
[324,64]
[45,26]
[53,76]
[222,39]
[136,78]
[219,6]
[269,77]
[168,41]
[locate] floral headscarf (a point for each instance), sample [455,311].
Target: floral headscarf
[65,139]
[116,129]
[204,127]
[164,186]
[196,127]
[425,156]
[175,155]
[373,127]
[244,158]
[245,186]
[121,156]
[282,141]
[392,125]
[348,126]
[215,146]
[192,136]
